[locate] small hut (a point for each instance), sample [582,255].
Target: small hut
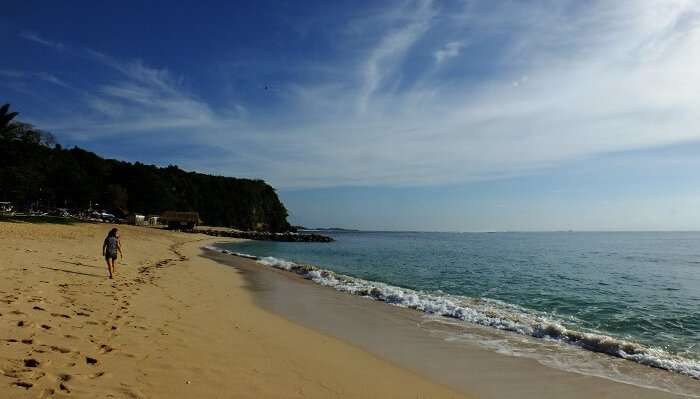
[180,220]
[152,220]
[136,219]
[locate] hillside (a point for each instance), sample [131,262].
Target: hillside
[36,172]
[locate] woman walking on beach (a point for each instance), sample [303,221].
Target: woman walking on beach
[110,247]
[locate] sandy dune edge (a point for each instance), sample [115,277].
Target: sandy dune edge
[172,324]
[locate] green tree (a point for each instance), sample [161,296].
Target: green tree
[118,197]
[6,117]
[34,170]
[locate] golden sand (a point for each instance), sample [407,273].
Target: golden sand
[170,325]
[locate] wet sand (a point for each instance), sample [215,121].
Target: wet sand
[411,340]
[172,324]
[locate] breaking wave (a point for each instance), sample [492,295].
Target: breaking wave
[484,312]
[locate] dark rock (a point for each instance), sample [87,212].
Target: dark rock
[266,236]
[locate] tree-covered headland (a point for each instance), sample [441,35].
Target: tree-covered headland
[37,172]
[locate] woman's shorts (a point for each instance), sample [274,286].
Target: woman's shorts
[111,256]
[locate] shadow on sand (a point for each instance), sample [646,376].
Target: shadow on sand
[74,272]
[38,219]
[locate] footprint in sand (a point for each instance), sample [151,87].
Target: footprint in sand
[25,385]
[60,349]
[96,375]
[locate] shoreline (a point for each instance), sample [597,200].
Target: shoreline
[171,324]
[587,381]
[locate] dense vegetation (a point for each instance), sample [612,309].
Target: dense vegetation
[37,172]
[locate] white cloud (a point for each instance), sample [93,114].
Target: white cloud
[138,99]
[386,57]
[449,50]
[29,76]
[614,77]
[31,36]
[564,81]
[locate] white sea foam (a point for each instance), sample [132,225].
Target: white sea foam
[227,252]
[278,263]
[485,312]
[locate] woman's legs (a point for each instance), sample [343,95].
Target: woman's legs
[109,265]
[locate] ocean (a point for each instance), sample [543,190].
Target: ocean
[630,295]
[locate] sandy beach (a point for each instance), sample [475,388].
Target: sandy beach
[182,321]
[171,324]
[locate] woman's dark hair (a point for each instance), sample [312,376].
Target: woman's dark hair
[112,233]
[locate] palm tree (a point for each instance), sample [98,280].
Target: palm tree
[6,126]
[26,132]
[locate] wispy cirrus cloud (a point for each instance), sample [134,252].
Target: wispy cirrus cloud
[543,83]
[34,37]
[43,76]
[384,59]
[151,98]
[135,97]
[449,50]
[567,84]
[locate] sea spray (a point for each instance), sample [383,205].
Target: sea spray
[485,312]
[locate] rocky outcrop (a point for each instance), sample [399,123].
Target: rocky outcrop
[265,236]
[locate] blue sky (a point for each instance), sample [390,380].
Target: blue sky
[409,115]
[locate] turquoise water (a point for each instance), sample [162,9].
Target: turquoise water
[631,295]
